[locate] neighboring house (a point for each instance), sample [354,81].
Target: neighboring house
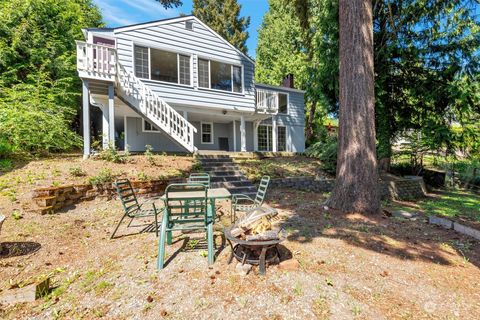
[178,86]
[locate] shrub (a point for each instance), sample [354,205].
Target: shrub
[142,176]
[104,176]
[326,152]
[149,154]
[6,149]
[76,172]
[111,154]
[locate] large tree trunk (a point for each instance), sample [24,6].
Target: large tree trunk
[356,186]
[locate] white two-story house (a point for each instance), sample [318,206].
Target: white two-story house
[178,86]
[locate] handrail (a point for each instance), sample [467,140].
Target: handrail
[96,58]
[156,109]
[266,101]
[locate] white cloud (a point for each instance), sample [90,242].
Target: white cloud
[151,7]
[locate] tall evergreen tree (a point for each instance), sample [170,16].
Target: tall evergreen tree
[223,16]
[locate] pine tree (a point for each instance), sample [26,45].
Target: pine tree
[223,16]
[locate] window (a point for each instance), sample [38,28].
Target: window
[282,138]
[264,138]
[283,103]
[203,73]
[219,76]
[155,64]
[207,132]
[237,78]
[189,25]
[184,62]
[163,66]
[141,62]
[149,127]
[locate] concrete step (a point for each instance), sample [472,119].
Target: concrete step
[217,156]
[221,168]
[243,190]
[220,160]
[223,173]
[227,179]
[231,184]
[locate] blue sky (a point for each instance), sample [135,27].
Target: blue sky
[125,12]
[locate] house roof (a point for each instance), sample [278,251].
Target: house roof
[166,21]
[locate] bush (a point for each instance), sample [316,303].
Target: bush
[111,154]
[6,149]
[104,176]
[76,172]
[326,152]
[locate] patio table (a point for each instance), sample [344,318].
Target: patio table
[213,194]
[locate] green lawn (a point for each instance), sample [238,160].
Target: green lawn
[448,203]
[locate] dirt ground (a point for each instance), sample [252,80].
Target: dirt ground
[17,183]
[351,267]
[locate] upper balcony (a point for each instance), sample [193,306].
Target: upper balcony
[96,61]
[266,101]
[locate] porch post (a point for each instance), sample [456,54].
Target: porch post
[111,115]
[274,134]
[105,127]
[86,120]
[255,135]
[234,136]
[243,140]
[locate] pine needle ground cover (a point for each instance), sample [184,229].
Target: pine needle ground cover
[350,266]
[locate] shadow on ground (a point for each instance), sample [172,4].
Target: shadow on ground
[16,249]
[404,239]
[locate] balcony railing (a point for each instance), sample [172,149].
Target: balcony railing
[267,101]
[95,58]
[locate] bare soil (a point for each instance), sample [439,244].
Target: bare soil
[351,266]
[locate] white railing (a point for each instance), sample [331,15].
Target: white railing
[156,109]
[96,58]
[267,101]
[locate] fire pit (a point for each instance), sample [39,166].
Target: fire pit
[253,240]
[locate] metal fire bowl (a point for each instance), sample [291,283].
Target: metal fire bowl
[282,235]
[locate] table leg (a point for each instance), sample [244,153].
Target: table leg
[210,221]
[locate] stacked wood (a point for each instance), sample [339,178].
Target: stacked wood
[257,225]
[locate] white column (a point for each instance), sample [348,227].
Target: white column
[111,115]
[243,139]
[234,135]
[86,120]
[105,127]
[255,135]
[274,134]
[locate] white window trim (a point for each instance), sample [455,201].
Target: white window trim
[287,147]
[231,76]
[148,131]
[178,53]
[288,103]
[258,144]
[211,132]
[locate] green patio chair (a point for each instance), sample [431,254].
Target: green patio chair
[131,207]
[203,178]
[186,208]
[242,202]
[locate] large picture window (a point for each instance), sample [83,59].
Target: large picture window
[219,76]
[159,65]
[281,138]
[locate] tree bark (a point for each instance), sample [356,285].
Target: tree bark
[356,185]
[309,124]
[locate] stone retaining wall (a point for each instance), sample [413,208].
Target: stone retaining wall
[404,189]
[51,199]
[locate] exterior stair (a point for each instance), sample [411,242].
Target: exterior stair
[96,61]
[224,173]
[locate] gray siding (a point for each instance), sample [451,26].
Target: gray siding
[137,139]
[200,43]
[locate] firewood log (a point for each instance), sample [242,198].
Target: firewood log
[264,236]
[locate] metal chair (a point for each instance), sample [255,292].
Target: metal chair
[242,202]
[202,178]
[186,208]
[131,207]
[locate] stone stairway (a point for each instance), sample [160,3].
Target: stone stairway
[224,173]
